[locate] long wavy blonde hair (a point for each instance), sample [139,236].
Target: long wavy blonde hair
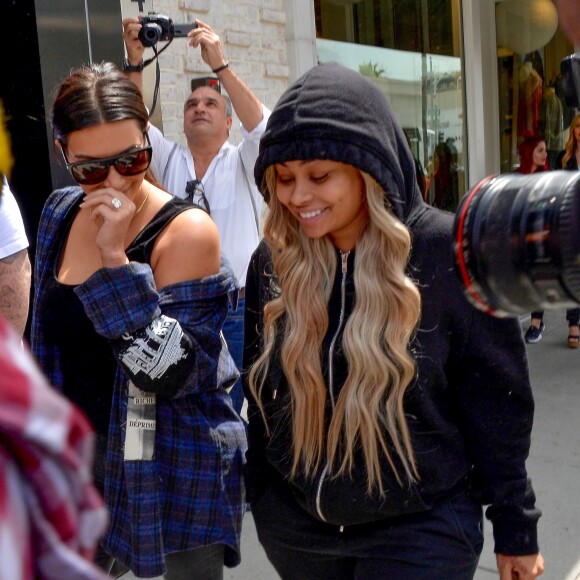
[369,413]
[571,144]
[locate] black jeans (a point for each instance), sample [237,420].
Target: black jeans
[572,316]
[444,542]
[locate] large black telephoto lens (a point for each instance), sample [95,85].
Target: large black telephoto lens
[517,242]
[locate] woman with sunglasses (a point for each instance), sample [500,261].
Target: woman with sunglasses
[130,298]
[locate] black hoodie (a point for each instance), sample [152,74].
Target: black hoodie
[470,410]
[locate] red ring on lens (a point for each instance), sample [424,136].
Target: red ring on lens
[459,254]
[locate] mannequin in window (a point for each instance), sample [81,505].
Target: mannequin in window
[551,124]
[530,95]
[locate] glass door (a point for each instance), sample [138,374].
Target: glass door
[412,49]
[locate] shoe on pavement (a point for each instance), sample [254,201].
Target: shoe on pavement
[534,334]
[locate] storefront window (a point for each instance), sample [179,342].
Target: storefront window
[412,50]
[530,48]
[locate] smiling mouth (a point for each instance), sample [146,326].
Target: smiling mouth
[310,214]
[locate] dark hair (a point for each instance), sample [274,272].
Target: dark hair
[96,94]
[526,154]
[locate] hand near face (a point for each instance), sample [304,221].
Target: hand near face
[111,222]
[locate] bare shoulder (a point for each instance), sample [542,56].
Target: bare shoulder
[194,226]
[187,249]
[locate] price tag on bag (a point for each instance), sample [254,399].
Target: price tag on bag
[141,423]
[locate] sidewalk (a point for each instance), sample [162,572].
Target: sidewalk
[554,463]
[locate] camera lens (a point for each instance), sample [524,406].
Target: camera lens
[517,242]
[150,34]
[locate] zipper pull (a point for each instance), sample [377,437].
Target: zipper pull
[274,394]
[344,258]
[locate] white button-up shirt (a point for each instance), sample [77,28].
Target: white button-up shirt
[229,193]
[12,234]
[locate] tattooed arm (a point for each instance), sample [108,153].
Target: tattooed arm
[14,263]
[15,289]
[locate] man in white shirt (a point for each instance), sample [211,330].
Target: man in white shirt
[14,262]
[209,170]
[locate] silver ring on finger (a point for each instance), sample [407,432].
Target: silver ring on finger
[116,203]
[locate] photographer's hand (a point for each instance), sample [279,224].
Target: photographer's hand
[210,43]
[134,48]
[245,103]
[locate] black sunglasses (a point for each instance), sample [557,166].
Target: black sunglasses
[195,188]
[96,170]
[211,82]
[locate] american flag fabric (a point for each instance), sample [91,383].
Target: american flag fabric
[51,516]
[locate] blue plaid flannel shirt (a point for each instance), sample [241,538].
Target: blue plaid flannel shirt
[191,494]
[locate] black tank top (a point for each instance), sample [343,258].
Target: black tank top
[87,363]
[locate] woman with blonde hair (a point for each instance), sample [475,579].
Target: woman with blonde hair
[570,157]
[383,409]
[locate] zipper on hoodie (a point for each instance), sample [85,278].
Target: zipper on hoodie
[344,260]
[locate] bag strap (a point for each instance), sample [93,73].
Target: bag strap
[251,196]
[167,164]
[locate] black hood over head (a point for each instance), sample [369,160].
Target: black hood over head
[333,112]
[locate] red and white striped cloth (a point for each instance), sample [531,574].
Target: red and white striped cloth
[51,516]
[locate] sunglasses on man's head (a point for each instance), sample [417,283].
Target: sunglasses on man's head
[95,171]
